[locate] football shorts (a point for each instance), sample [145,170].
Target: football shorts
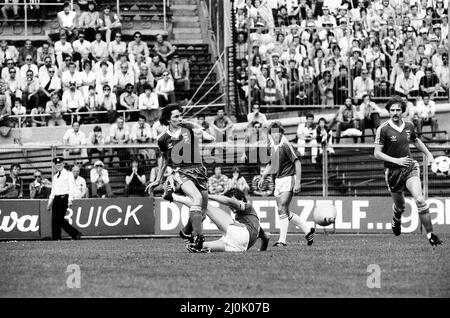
[196,175]
[396,177]
[237,237]
[285,184]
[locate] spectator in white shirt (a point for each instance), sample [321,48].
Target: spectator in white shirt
[165,87]
[5,70]
[306,133]
[108,102]
[363,84]
[141,132]
[19,110]
[406,84]
[30,90]
[55,108]
[80,183]
[443,73]
[49,83]
[63,49]
[71,76]
[97,67]
[44,70]
[426,110]
[256,115]
[148,104]
[75,137]
[122,78]
[99,48]
[81,49]
[68,19]
[29,65]
[119,134]
[103,77]
[99,178]
[137,47]
[87,77]
[72,99]
[13,85]
[44,51]
[129,101]
[117,48]
[91,104]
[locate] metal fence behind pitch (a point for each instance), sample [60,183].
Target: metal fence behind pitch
[350,171]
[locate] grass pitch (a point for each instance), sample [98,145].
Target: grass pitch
[335,266]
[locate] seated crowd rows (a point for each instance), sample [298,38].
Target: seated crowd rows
[321,52]
[88,68]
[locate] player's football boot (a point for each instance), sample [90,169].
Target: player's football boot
[264,242]
[185,237]
[193,249]
[198,241]
[396,226]
[279,244]
[310,236]
[168,191]
[434,240]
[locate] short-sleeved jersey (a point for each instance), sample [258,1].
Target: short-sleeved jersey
[283,159]
[247,215]
[395,140]
[181,148]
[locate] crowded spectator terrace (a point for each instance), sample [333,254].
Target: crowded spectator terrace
[321,52]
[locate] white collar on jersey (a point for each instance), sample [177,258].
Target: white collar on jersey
[174,134]
[272,142]
[398,128]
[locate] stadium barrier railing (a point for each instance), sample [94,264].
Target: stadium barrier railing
[24,4]
[143,216]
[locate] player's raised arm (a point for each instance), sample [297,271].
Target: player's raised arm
[267,171]
[229,202]
[198,130]
[163,164]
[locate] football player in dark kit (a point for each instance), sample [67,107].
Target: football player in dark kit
[61,197]
[180,147]
[401,170]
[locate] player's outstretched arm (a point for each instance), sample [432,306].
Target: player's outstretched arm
[421,146]
[230,202]
[162,168]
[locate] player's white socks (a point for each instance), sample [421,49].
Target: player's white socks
[284,224]
[299,222]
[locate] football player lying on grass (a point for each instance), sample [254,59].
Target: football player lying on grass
[240,234]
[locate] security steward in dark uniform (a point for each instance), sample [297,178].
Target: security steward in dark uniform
[61,197]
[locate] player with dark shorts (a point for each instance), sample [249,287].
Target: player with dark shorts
[180,147]
[240,234]
[401,170]
[286,163]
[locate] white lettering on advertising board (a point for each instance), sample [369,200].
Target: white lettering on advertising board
[25,223]
[111,215]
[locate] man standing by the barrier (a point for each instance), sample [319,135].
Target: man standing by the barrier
[61,197]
